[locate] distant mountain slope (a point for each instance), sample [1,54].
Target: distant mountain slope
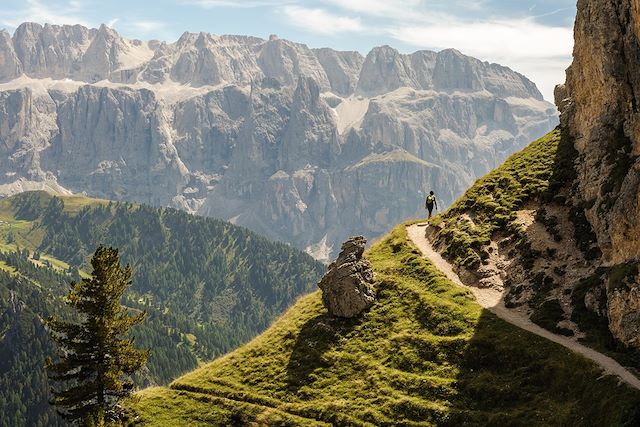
[270,134]
[207,285]
[425,354]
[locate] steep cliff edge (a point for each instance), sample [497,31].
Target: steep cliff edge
[601,112]
[268,133]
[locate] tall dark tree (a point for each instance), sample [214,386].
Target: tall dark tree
[96,356]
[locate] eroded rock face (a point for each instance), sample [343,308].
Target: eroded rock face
[600,106]
[624,315]
[347,288]
[10,65]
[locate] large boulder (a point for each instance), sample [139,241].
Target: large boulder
[347,287]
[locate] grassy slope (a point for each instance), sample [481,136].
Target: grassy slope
[183,326]
[494,199]
[540,173]
[425,354]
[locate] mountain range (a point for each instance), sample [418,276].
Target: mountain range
[302,145]
[516,305]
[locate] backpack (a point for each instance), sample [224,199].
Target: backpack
[431,199]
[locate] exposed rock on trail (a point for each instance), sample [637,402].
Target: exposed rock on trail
[492,300]
[347,287]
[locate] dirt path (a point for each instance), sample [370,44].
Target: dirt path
[492,300]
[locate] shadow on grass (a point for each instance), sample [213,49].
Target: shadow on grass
[507,374]
[316,337]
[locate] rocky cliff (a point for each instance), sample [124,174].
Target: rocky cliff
[304,145]
[600,111]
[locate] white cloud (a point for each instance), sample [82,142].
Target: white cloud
[147,26]
[388,8]
[419,11]
[36,11]
[523,37]
[322,22]
[210,4]
[540,52]
[553,12]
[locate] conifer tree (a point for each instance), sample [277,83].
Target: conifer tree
[96,358]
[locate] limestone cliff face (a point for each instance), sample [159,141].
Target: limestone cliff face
[10,65]
[304,145]
[116,140]
[600,110]
[600,104]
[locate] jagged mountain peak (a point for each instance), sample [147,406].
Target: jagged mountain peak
[205,59]
[204,122]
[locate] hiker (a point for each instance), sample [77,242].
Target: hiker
[431,202]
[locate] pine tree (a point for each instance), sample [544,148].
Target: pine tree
[96,358]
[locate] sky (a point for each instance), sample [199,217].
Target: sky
[533,37]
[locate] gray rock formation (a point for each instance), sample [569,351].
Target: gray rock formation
[303,145]
[10,65]
[600,103]
[624,314]
[347,288]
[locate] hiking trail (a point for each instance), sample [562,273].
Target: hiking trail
[492,300]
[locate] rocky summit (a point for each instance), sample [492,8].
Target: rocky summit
[347,288]
[268,134]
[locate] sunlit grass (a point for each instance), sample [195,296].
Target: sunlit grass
[425,354]
[493,201]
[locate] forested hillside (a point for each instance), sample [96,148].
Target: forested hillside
[207,286]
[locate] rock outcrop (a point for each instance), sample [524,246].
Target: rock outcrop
[347,288]
[600,106]
[624,315]
[269,134]
[10,65]
[601,109]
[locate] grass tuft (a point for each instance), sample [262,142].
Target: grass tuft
[495,199]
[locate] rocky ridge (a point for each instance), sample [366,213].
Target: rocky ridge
[269,134]
[555,228]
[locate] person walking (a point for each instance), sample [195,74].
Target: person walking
[431,202]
